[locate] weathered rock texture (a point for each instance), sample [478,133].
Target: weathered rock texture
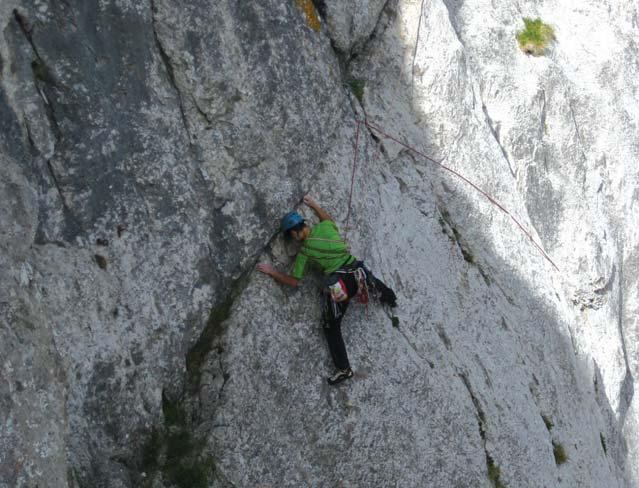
[147,151]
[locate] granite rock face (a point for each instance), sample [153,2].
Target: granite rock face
[147,152]
[350,24]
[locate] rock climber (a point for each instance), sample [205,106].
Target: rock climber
[345,277]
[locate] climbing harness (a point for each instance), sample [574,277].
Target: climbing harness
[361,278]
[374,128]
[338,291]
[336,287]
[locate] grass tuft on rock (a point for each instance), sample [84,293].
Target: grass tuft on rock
[42,73]
[214,329]
[357,87]
[494,473]
[174,453]
[536,37]
[467,255]
[560,453]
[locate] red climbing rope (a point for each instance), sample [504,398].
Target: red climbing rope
[380,131]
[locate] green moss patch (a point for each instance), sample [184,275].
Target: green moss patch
[559,452]
[42,73]
[485,276]
[357,87]
[468,256]
[536,37]
[211,333]
[494,473]
[174,453]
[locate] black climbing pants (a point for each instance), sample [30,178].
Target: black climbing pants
[333,312]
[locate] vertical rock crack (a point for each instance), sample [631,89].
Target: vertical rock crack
[495,134]
[166,60]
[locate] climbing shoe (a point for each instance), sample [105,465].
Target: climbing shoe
[339,376]
[389,298]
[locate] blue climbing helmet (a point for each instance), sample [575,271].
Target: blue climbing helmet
[291,220]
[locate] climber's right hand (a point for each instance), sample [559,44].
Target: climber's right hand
[265,268]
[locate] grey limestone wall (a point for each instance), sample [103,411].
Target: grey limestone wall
[147,152]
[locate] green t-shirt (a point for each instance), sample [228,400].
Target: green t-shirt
[323,247]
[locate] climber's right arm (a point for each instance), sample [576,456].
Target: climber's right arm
[321,213]
[282,278]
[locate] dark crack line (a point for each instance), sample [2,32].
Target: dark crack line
[495,134]
[204,115]
[481,416]
[26,31]
[542,125]
[211,255]
[29,135]
[574,121]
[491,466]
[205,343]
[344,61]
[51,116]
[49,111]
[412,69]
[410,344]
[225,378]
[627,387]
[57,185]
[166,60]
[577,131]
[453,24]
[374,33]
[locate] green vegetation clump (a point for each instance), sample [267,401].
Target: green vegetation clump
[357,87]
[548,422]
[468,256]
[494,472]
[485,276]
[41,72]
[173,453]
[213,330]
[536,37]
[560,453]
